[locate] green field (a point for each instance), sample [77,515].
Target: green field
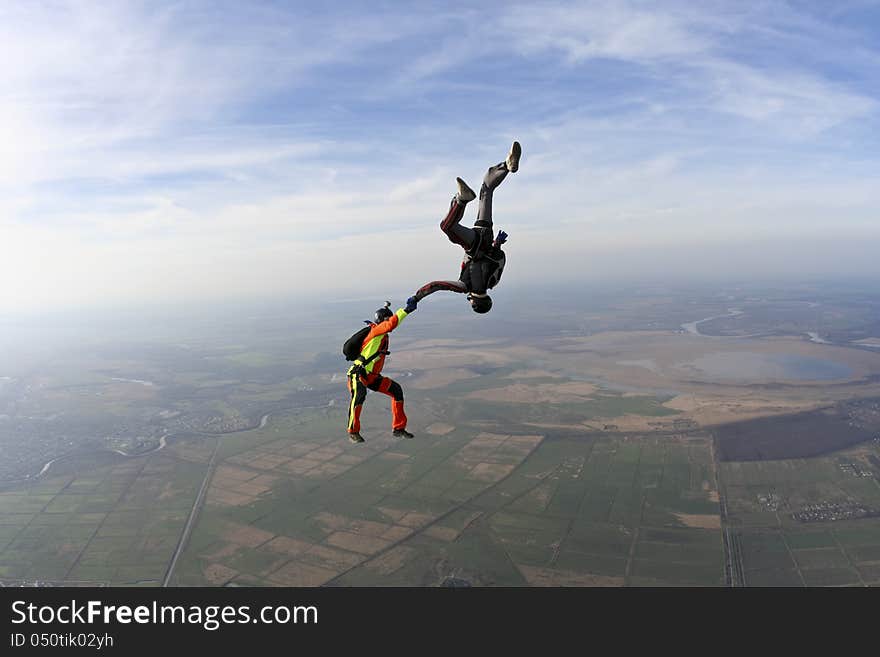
[115,525]
[546,449]
[780,550]
[488,507]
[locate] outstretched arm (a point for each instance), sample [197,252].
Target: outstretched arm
[436,286]
[386,326]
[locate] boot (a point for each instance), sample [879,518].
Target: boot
[465,193]
[512,160]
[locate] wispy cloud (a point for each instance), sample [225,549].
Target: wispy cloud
[613,30]
[802,104]
[163,149]
[713,57]
[98,80]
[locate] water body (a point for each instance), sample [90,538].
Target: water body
[143,383]
[162,443]
[748,366]
[693,327]
[814,337]
[46,467]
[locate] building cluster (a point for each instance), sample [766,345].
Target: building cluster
[212,424]
[41,583]
[769,501]
[831,511]
[855,469]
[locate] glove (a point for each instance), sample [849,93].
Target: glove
[411,305]
[501,239]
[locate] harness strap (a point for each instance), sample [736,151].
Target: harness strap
[359,368]
[364,363]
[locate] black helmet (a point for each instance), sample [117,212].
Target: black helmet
[481,303]
[384,312]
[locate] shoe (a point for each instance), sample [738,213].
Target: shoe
[401,433]
[465,193]
[355,437]
[512,160]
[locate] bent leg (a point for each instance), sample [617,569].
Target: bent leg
[452,228]
[392,388]
[436,286]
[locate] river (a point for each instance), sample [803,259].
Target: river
[163,441]
[692,327]
[139,381]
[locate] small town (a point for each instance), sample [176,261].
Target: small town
[831,511]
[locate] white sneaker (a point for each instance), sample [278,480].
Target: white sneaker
[513,157]
[465,193]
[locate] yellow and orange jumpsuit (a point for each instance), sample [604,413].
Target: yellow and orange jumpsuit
[360,377]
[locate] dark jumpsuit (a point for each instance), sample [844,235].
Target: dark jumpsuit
[483,261]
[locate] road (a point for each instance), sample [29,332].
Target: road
[193,514]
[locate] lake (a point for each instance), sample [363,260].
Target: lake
[753,366]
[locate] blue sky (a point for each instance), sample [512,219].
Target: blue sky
[172,151]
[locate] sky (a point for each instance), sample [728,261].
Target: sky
[207,151]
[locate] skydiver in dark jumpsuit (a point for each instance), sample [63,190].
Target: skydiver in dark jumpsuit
[484,260]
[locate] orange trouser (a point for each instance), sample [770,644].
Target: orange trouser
[357,386]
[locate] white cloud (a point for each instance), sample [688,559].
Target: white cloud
[615,30]
[131,168]
[92,80]
[801,104]
[688,47]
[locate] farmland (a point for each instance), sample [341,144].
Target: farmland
[642,440]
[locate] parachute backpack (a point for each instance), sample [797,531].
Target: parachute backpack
[351,349]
